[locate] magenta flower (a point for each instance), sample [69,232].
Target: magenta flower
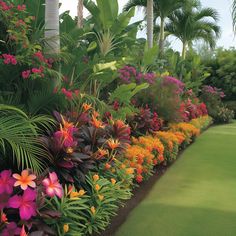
[25,203]
[53,187]
[11,230]
[6,182]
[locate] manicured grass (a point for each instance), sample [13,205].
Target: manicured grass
[197,195]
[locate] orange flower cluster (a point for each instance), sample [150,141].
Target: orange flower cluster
[146,152]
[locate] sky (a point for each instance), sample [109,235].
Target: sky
[222,6]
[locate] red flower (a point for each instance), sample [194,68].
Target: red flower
[53,187]
[6,182]
[25,203]
[139,178]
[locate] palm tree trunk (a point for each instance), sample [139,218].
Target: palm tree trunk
[150,23]
[52,26]
[184,49]
[80,13]
[162,35]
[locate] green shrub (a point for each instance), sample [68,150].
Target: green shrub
[224,115]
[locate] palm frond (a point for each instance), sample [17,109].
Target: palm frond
[234,14]
[19,138]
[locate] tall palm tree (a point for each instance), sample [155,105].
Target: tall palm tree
[149,6]
[150,23]
[164,8]
[80,14]
[190,24]
[52,25]
[234,15]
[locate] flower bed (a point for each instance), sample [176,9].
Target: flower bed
[44,205]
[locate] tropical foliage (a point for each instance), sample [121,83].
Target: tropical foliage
[88,111]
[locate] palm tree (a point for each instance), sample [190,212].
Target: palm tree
[52,26]
[80,14]
[234,15]
[149,5]
[190,24]
[164,8]
[150,23]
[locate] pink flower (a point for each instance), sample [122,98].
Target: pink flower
[21,7]
[25,203]
[53,187]
[26,74]
[11,230]
[40,56]
[67,93]
[36,71]
[6,182]
[22,232]
[9,59]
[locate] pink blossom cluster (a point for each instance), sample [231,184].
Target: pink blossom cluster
[39,55]
[129,73]
[213,91]
[69,94]
[4,6]
[8,59]
[169,80]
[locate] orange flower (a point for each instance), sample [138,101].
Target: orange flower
[96,178]
[113,144]
[102,152]
[86,107]
[96,123]
[93,210]
[107,166]
[67,125]
[113,181]
[65,228]
[77,194]
[130,171]
[97,187]
[24,180]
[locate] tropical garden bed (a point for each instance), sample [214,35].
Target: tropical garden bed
[85,118]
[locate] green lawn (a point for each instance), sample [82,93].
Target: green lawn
[197,195]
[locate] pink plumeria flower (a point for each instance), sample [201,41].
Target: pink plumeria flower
[52,185]
[25,203]
[6,182]
[24,180]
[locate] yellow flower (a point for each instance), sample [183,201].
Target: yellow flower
[69,150]
[113,181]
[97,187]
[93,210]
[96,178]
[101,197]
[65,228]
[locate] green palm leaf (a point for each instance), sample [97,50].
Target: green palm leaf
[19,138]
